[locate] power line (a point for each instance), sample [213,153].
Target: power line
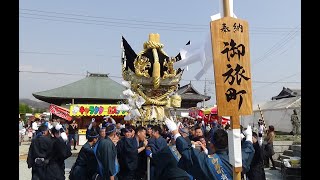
[99,17]
[61,54]
[106,22]
[138,27]
[276,47]
[143,21]
[203,80]
[278,80]
[134,25]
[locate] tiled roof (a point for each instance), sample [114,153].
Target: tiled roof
[94,86]
[188,92]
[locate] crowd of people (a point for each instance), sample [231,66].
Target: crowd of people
[186,149]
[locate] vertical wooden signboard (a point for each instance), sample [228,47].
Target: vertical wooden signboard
[230,43]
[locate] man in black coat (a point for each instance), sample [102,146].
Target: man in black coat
[60,153]
[133,155]
[39,153]
[165,164]
[256,171]
[155,144]
[127,134]
[106,154]
[86,164]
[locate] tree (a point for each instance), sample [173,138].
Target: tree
[24,108]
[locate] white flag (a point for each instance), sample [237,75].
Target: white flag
[189,54]
[208,57]
[207,47]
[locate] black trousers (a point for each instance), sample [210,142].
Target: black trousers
[38,172]
[266,161]
[127,175]
[256,173]
[70,137]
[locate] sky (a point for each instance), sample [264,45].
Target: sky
[60,41]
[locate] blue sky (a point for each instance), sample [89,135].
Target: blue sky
[73,37]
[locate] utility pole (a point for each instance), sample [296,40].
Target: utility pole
[205,91]
[205,86]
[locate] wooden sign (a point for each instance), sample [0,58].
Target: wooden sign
[230,43]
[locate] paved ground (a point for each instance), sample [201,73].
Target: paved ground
[25,173]
[272,174]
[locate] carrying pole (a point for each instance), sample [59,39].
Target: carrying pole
[148,168]
[235,120]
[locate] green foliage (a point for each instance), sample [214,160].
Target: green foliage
[39,110]
[24,108]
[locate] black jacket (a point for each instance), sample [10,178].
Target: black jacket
[41,147]
[107,153]
[166,167]
[60,152]
[256,171]
[85,165]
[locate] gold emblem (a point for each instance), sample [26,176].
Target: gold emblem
[141,65]
[171,72]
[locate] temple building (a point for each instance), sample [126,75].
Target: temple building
[190,97]
[97,95]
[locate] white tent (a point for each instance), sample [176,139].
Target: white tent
[275,112]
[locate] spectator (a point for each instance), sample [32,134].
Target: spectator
[92,127]
[268,149]
[72,134]
[102,133]
[22,131]
[261,130]
[34,127]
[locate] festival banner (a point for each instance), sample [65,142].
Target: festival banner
[96,110]
[60,111]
